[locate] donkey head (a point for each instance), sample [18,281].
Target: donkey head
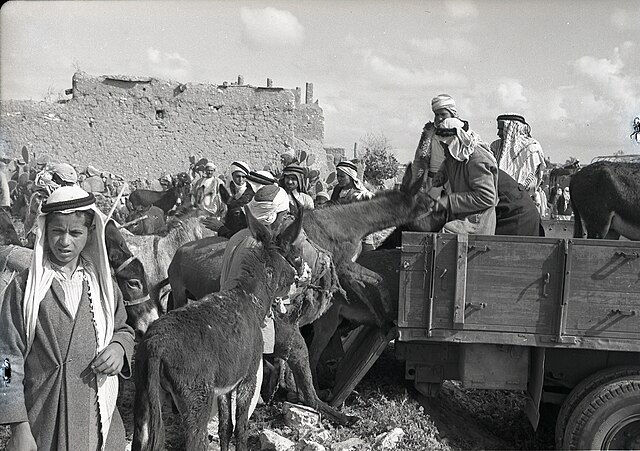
[281,255]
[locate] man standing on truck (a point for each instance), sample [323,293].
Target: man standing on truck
[472,175]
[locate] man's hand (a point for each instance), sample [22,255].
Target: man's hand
[110,361]
[21,438]
[441,204]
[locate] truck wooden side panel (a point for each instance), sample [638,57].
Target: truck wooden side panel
[528,291]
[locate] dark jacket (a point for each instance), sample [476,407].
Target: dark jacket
[516,214]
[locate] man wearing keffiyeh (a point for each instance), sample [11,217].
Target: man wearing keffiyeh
[63,329]
[517,153]
[472,175]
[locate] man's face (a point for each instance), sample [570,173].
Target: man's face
[343,179]
[66,237]
[440,115]
[209,172]
[238,178]
[501,128]
[290,183]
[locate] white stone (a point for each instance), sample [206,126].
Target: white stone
[272,441]
[352,444]
[389,440]
[309,445]
[301,417]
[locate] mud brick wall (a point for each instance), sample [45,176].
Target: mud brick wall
[139,127]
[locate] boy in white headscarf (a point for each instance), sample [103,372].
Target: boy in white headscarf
[349,187]
[294,184]
[63,329]
[472,173]
[206,193]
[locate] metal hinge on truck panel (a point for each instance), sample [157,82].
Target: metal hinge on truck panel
[461,281]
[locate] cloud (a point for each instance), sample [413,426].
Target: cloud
[456,47]
[168,65]
[511,94]
[625,20]
[461,9]
[270,27]
[394,75]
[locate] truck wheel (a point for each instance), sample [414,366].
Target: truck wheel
[581,390]
[607,418]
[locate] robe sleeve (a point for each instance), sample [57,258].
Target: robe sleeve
[12,347]
[482,192]
[122,333]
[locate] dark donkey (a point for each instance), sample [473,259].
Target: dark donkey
[164,200]
[605,197]
[207,349]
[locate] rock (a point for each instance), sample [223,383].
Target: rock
[352,444]
[388,440]
[300,417]
[271,441]
[309,445]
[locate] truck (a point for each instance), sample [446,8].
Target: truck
[555,317]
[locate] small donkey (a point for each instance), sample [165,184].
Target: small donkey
[204,351]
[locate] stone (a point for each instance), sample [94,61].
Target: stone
[388,440]
[272,441]
[308,445]
[352,444]
[300,417]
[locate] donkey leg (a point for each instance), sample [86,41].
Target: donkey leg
[244,397]
[225,422]
[199,402]
[298,361]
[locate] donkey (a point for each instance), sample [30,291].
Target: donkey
[336,230]
[165,200]
[605,197]
[156,252]
[206,350]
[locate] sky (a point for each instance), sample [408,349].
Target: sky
[571,68]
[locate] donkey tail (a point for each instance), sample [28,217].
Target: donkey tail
[577,222]
[148,433]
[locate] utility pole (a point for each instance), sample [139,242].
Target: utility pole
[355,150]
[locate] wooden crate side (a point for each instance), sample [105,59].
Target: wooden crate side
[604,296]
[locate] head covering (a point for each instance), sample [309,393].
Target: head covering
[444,101]
[461,143]
[66,200]
[298,172]
[517,153]
[267,203]
[210,166]
[257,179]
[323,195]
[349,168]
[65,171]
[289,153]
[240,166]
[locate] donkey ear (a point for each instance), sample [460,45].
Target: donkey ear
[259,231]
[411,189]
[289,235]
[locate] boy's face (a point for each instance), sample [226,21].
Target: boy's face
[66,237]
[343,179]
[290,183]
[238,178]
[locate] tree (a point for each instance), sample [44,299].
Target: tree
[380,163]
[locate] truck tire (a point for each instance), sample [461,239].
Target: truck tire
[607,417]
[581,390]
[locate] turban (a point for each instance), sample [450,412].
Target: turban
[461,144]
[444,101]
[257,179]
[210,166]
[267,203]
[323,195]
[65,171]
[298,172]
[240,166]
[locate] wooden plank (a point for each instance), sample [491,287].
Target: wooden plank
[360,355]
[460,296]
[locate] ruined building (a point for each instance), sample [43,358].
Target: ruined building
[139,127]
